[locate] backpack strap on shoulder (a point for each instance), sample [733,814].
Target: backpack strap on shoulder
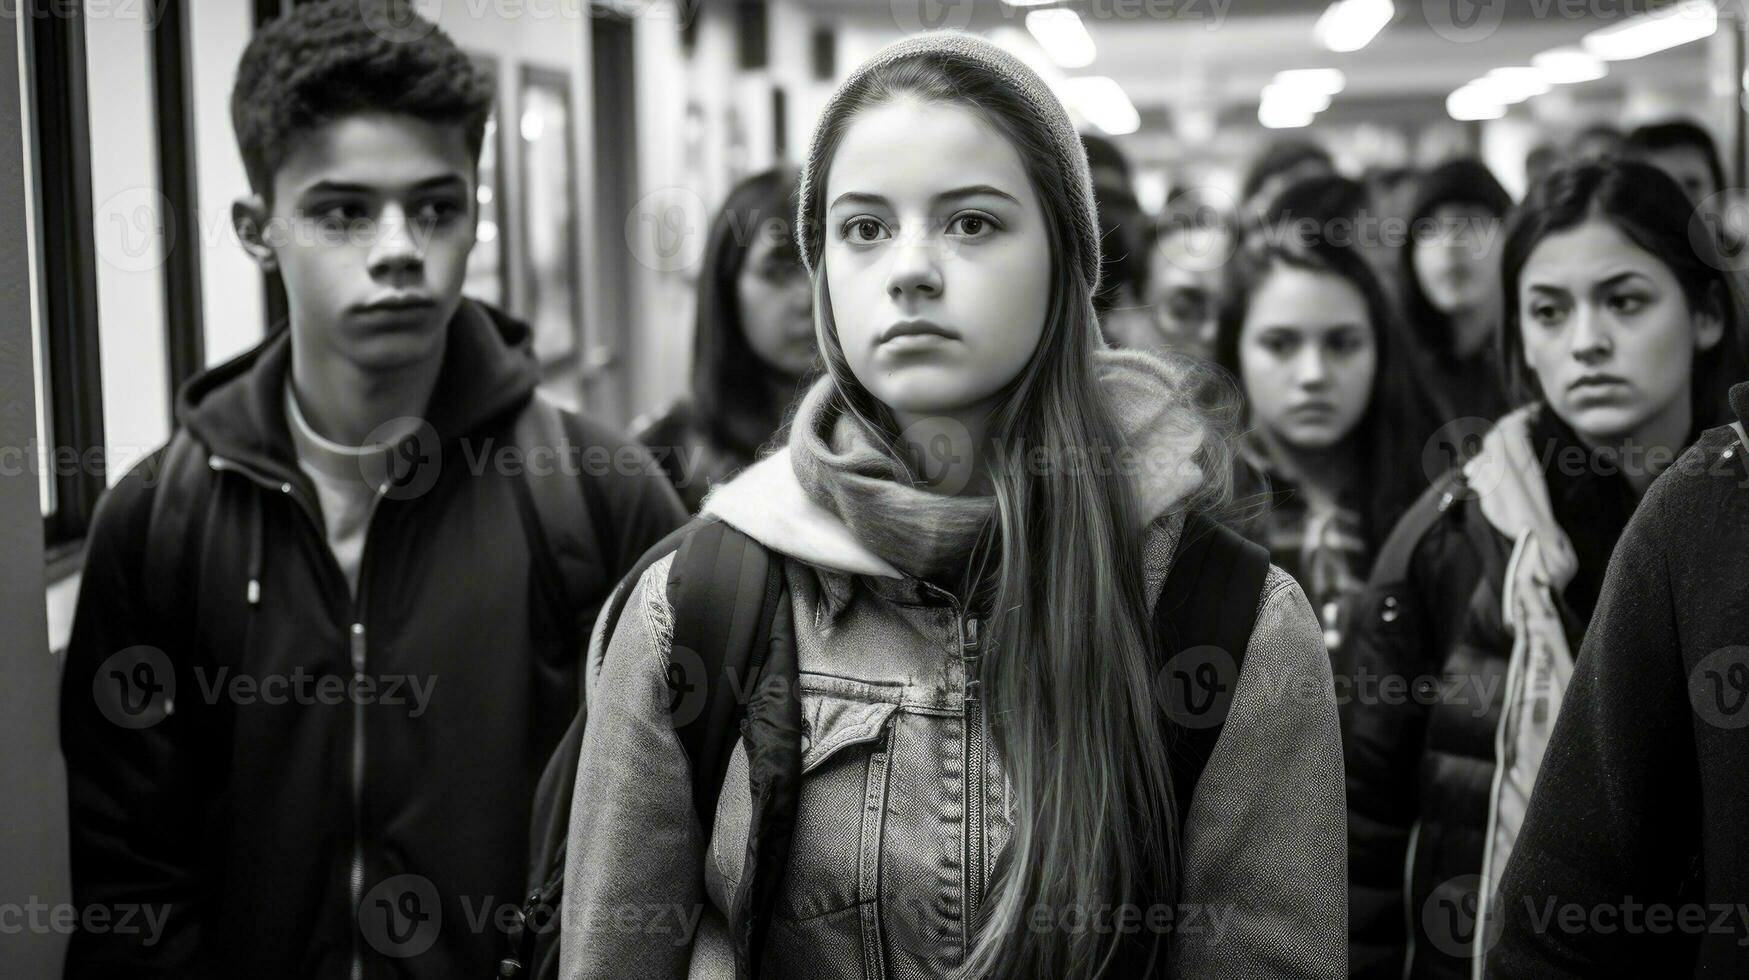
[558,505]
[178,499]
[724,588]
[1202,625]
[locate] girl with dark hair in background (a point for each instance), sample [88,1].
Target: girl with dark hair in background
[1621,335]
[984,751]
[752,345]
[1336,424]
[1451,290]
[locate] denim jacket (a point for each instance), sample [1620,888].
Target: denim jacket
[904,805]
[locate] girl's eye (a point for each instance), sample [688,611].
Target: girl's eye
[971,226]
[1628,303]
[1343,343]
[862,231]
[1546,314]
[1281,345]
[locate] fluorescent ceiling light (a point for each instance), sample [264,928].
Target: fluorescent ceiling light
[1468,104]
[1028,3]
[1298,98]
[1324,81]
[1349,25]
[1277,116]
[1063,36]
[1102,102]
[1646,34]
[1521,82]
[1564,66]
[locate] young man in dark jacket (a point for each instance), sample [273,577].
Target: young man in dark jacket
[328,637]
[1633,859]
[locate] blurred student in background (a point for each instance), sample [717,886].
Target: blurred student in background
[1330,461]
[752,346]
[1450,287]
[1621,337]
[1188,248]
[1281,165]
[1685,151]
[1123,236]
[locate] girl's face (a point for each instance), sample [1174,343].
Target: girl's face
[1454,257]
[1307,356]
[775,303]
[935,256]
[1608,331]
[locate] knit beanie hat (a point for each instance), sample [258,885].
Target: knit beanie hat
[1040,101]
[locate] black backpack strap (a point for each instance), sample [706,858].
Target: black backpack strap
[177,501]
[724,588]
[1202,625]
[557,506]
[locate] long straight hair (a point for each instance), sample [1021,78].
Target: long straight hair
[1653,212]
[1068,668]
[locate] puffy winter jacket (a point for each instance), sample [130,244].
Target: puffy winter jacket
[1460,650]
[327,785]
[903,810]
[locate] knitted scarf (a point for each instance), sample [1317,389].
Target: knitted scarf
[842,466]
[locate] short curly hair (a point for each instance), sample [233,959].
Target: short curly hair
[330,59]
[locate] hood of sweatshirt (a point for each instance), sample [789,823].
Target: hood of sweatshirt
[237,409]
[1152,402]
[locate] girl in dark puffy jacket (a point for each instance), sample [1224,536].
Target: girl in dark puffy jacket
[1331,458]
[975,511]
[1621,336]
[752,344]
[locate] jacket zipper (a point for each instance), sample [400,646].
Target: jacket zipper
[356,651]
[974,754]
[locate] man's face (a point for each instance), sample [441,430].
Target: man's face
[372,221]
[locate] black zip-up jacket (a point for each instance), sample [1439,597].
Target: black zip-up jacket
[1633,861]
[335,786]
[1430,651]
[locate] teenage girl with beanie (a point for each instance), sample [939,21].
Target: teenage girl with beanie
[1621,334]
[752,342]
[985,779]
[1332,455]
[1450,287]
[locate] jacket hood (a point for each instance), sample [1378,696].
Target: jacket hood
[1152,402]
[236,409]
[1508,480]
[1740,402]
